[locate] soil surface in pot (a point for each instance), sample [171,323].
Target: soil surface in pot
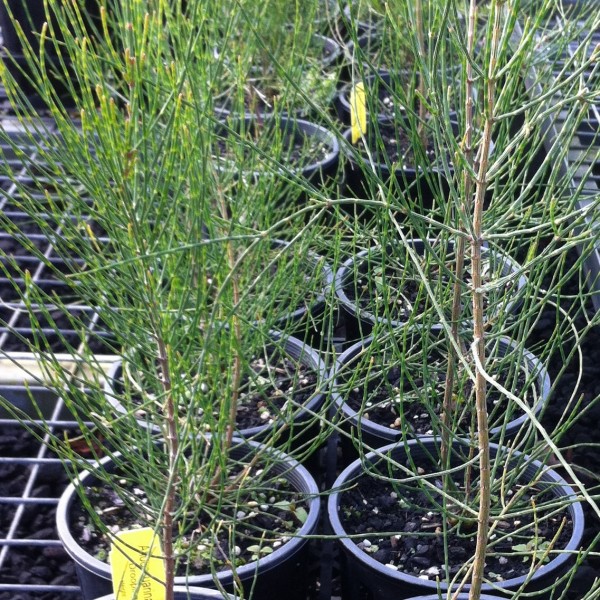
[394,145]
[394,399]
[375,47]
[273,389]
[288,149]
[281,282]
[278,385]
[258,519]
[265,90]
[414,542]
[390,291]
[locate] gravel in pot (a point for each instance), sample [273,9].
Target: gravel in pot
[390,527]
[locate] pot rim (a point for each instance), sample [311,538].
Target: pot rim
[294,347]
[303,127]
[191,593]
[222,109]
[326,279]
[294,472]
[536,368]
[461,596]
[344,273]
[384,77]
[550,476]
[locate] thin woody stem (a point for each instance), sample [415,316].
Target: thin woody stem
[478,317]
[460,242]
[468,180]
[237,332]
[421,40]
[172,443]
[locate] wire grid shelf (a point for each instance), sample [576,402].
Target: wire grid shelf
[29,499]
[38,464]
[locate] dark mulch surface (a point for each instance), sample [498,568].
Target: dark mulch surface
[401,295]
[47,564]
[375,506]
[392,401]
[21,246]
[388,287]
[258,523]
[394,145]
[287,385]
[296,151]
[275,387]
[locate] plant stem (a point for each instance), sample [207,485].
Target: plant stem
[447,403]
[468,142]
[478,311]
[237,332]
[172,442]
[421,40]
[170,431]
[460,242]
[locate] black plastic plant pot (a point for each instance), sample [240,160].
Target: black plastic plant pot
[352,31]
[318,169]
[262,108]
[422,186]
[301,430]
[508,423]
[189,593]
[31,17]
[357,22]
[284,569]
[332,52]
[364,576]
[306,321]
[393,155]
[366,38]
[372,272]
[384,102]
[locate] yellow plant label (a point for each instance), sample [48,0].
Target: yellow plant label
[358,112]
[136,564]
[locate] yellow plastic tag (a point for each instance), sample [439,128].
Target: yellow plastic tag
[358,112]
[137,564]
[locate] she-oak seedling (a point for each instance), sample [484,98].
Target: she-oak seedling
[135,177]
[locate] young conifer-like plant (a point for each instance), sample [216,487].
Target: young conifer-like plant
[170,236]
[502,193]
[182,244]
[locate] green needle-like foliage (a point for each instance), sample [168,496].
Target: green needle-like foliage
[186,237]
[187,245]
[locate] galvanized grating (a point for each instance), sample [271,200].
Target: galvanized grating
[15,327]
[585,150]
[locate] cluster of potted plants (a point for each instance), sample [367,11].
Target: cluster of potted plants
[221,238]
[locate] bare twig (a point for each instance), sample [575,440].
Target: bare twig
[478,311]
[421,39]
